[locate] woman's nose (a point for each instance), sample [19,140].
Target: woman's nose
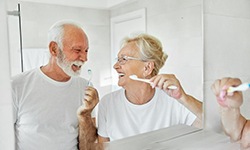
[116,65]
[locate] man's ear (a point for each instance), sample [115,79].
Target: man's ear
[148,68]
[53,48]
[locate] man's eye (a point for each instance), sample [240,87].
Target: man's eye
[77,50]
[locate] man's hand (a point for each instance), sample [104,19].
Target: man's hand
[90,100]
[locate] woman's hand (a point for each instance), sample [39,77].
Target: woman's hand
[163,81]
[225,99]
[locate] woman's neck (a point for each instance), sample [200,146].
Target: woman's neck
[140,95]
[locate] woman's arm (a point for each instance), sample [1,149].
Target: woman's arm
[234,124]
[195,106]
[163,81]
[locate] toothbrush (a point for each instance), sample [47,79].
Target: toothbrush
[90,76]
[134,77]
[241,87]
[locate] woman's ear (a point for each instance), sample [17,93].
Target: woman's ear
[53,48]
[148,68]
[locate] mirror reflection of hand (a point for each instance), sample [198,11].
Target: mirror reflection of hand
[163,81]
[225,99]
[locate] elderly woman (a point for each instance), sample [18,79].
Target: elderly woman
[141,107]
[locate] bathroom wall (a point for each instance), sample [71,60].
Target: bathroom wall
[227,51]
[6,121]
[178,25]
[37,19]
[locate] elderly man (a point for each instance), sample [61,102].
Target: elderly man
[45,99]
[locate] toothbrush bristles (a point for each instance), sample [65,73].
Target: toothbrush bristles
[90,76]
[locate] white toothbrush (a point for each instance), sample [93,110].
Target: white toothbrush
[134,77]
[241,87]
[90,76]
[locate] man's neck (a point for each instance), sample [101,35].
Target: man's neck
[55,72]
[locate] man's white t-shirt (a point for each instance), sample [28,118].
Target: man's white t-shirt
[45,111]
[118,118]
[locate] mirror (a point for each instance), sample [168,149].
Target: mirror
[177,24]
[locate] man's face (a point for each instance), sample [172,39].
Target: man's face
[66,65]
[74,52]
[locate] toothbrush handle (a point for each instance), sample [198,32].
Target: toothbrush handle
[172,87]
[241,87]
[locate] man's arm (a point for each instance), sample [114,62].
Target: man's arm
[87,128]
[87,131]
[103,139]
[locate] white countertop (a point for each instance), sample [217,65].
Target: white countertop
[180,137]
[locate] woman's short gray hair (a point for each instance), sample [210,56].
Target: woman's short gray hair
[150,49]
[56,31]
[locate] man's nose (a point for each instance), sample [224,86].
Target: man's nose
[83,56]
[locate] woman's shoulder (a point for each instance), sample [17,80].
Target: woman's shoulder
[112,96]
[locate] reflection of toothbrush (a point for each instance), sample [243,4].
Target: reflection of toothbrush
[134,77]
[241,87]
[90,76]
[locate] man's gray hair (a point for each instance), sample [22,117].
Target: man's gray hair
[56,31]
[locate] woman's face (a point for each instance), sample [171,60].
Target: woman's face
[128,67]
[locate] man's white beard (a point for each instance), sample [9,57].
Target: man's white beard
[66,65]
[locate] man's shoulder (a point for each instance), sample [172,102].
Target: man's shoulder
[80,79]
[24,75]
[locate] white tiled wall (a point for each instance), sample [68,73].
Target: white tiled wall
[227,51]
[6,117]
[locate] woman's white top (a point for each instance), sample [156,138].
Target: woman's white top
[118,118]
